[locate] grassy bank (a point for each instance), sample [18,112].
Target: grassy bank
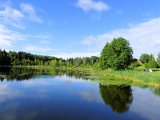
[132,77]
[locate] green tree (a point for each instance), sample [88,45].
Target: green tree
[93,59]
[134,65]
[144,58]
[158,60]
[4,58]
[54,63]
[60,63]
[151,63]
[104,57]
[116,54]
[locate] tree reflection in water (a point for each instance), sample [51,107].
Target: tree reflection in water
[119,98]
[26,73]
[156,91]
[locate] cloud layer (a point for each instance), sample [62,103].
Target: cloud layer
[7,37]
[29,11]
[17,17]
[13,20]
[143,37]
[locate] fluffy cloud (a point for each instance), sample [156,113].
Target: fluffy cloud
[30,12]
[144,37]
[7,37]
[88,5]
[13,20]
[17,17]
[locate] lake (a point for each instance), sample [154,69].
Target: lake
[46,94]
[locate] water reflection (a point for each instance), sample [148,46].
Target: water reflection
[119,98]
[25,73]
[156,91]
[66,95]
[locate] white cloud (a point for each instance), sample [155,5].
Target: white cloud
[13,20]
[30,12]
[8,37]
[143,37]
[88,5]
[39,49]
[76,54]
[33,48]
[11,16]
[17,17]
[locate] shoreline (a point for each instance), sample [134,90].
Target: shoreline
[128,77]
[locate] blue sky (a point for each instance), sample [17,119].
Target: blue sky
[72,28]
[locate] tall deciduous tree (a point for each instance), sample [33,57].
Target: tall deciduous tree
[144,58]
[116,54]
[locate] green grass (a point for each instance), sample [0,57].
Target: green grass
[132,77]
[136,77]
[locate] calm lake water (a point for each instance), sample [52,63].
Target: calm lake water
[36,94]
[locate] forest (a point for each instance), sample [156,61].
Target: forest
[13,58]
[117,55]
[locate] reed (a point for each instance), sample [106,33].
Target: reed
[132,77]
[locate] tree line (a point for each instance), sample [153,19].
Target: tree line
[117,55]
[13,58]
[148,61]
